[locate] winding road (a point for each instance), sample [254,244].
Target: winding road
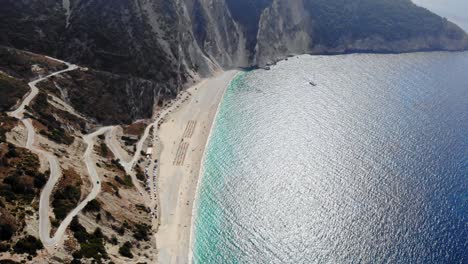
[44,225]
[119,153]
[126,161]
[122,156]
[55,172]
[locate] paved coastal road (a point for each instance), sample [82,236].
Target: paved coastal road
[55,172]
[90,162]
[120,154]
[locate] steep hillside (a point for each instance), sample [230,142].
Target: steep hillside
[247,14]
[133,58]
[172,43]
[46,144]
[35,25]
[105,97]
[393,26]
[341,26]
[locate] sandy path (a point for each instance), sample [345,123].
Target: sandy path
[177,183]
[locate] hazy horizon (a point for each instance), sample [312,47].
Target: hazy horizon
[453,10]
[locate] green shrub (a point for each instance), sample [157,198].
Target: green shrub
[29,245]
[8,261]
[11,90]
[5,192]
[4,247]
[114,240]
[141,232]
[126,250]
[75,261]
[126,181]
[79,232]
[93,248]
[92,206]
[139,174]
[92,245]
[6,231]
[12,153]
[104,149]
[65,200]
[39,181]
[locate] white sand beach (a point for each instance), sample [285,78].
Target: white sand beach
[184,135]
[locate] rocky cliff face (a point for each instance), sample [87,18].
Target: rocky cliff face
[220,38]
[340,26]
[285,28]
[170,44]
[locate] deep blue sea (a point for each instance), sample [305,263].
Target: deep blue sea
[368,166]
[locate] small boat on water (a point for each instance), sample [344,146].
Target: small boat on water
[310,82]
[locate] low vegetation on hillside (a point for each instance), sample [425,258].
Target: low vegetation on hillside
[66,195]
[126,250]
[92,245]
[20,185]
[11,91]
[18,63]
[339,21]
[28,245]
[109,98]
[20,178]
[65,200]
[6,124]
[47,115]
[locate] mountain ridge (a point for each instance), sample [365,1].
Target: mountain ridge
[172,44]
[93,123]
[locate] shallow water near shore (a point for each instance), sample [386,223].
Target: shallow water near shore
[368,166]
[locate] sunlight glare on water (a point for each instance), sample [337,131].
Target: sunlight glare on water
[369,166]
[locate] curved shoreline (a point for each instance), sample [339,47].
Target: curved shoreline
[202,171]
[187,131]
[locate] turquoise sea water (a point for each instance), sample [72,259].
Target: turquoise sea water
[369,166]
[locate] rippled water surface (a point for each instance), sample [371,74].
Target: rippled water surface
[369,166]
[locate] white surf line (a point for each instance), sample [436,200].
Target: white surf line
[44,221]
[201,171]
